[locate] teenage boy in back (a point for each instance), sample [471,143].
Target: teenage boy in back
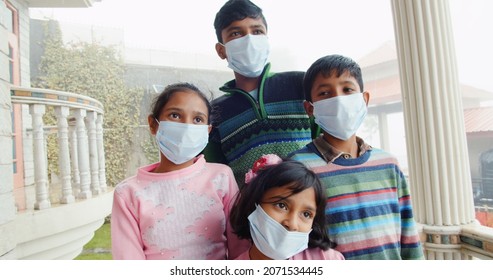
[368,202]
[261,112]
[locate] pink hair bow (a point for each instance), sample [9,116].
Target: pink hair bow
[265,160]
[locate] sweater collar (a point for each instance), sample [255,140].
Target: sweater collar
[329,153]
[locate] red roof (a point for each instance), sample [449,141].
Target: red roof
[478,119]
[386,52]
[382,91]
[388,90]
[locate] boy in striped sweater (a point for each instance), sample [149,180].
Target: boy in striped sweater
[368,201]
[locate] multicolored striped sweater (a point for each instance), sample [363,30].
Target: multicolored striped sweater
[247,128]
[368,206]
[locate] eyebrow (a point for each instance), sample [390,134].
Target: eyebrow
[200,113]
[341,83]
[261,26]
[181,110]
[278,198]
[235,28]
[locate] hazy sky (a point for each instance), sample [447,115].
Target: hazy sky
[301,30]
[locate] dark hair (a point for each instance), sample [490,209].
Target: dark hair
[234,10]
[331,65]
[299,178]
[163,98]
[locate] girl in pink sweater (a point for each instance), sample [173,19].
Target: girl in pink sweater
[177,208]
[281,210]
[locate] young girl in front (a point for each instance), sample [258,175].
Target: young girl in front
[177,208]
[281,211]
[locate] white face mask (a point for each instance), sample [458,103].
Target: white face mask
[272,239]
[248,55]
[181,142]
[340,116]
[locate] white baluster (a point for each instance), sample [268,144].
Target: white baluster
[73,154]
[83,154]
[93,152]
[102,164]
[63,154]
[40,157]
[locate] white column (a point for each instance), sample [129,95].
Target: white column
[40,158]
[73,154]
[64,155]
[102,163]
[93,152]
[383,129]
[83,154]
[433,114]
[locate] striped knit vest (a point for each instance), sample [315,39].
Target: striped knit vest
[276,123]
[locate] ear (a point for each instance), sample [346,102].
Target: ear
[209,128]
[221,50]
[153,125]
[308,108]
[366,96]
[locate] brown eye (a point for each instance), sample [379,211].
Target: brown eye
[281,205]
[326,94]
[307,215]
[349,90]
[235,34]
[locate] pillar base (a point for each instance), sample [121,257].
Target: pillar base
[464,242]
[40,205]
[67,199]
[85,195]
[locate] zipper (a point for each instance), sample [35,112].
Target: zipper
[258,106]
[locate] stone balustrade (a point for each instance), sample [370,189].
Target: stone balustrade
[79,131]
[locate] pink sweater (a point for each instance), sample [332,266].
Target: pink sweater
[308,254]
[181,214]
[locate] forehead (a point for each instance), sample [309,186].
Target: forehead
[306,197]
[187,99]
[244,24]
[332,79]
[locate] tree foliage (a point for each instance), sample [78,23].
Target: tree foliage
[98,72]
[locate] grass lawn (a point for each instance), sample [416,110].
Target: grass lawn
[99,248]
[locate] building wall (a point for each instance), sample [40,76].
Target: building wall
[144,76]
[7,205]
[7,208]
[27,144]
[24,41]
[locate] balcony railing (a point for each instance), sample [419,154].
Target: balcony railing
[62,211]
[79,139]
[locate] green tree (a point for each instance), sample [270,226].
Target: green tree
[98,72]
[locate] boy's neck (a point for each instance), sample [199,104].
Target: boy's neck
[245,83]
[349,146]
